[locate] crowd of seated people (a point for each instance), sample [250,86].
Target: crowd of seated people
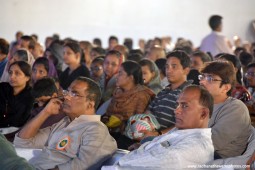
[46,95]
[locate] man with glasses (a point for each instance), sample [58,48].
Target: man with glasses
[230,121]
[79,141]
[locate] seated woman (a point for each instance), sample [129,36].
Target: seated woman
[72,58]
[131,97]
[107,82]
[41,68]
[151,75]
[16,100]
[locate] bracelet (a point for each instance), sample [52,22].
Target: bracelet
[159,132]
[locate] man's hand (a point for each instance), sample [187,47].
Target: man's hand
[53,107]
[134,146]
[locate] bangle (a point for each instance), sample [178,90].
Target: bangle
[159,132]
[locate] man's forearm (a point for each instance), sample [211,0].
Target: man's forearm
[32,127]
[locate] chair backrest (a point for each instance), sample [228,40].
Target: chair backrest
[102,109]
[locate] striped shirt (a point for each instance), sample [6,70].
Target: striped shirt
[164,104]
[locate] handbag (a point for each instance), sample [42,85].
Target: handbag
[140,122]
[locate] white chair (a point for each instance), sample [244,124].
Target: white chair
[238,160]
[102,109]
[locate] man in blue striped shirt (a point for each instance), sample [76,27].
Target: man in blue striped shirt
[164,104]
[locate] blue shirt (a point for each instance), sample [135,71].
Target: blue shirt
[164,104]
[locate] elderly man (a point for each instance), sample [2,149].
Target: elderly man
[78,141]
[186,146]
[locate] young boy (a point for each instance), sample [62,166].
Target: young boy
[43,90]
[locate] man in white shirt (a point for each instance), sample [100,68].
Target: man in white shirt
[186,146]
[215,43]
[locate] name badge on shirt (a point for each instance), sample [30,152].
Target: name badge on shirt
[63,143]
[165,144]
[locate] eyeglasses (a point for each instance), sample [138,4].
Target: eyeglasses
[70,93]
[208,78]
[250,74]
[96,69]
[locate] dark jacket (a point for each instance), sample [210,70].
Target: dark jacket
[65,79]
[14,109]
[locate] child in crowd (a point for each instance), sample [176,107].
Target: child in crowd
[151,76]
[162,69]
[96,69]
[43,90]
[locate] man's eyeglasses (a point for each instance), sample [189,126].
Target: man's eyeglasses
[250,74]
[70,93]
[208,78]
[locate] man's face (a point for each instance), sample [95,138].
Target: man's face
[189,112]
[174,71]
[196,63]
[214,86]
[250,76]
[112,43]
[76,103]
[24,44]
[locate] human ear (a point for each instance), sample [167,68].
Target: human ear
[91,104]
[186,70]
[226,88]
[205,113]
[77,55]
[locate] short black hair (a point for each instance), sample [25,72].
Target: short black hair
[134,69]
[44,87]
[43,61]
[225,70]
[94,91]
[135,57]
[161,63]
[251,65]
[113,52]
[4,46]
[245,58]
[22,54]
[215,21]
[30,39]
[113,38]
[99,50]
[203,56]
[182,56]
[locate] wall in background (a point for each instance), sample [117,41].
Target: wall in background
[87,19]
